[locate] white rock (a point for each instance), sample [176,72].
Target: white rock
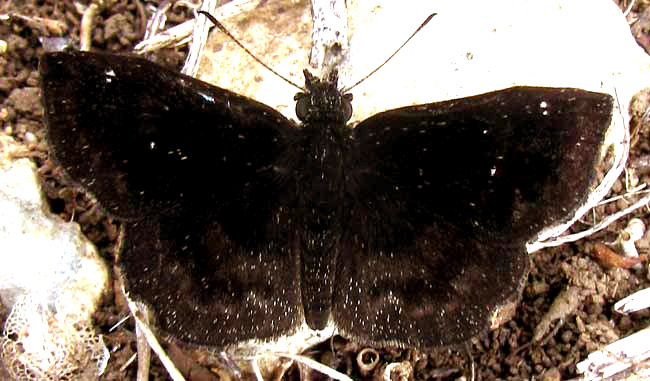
[41,254]
[51,278]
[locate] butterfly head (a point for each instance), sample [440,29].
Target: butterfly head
[322,101]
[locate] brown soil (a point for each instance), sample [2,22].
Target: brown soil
[505,353]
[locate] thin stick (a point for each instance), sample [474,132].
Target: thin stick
[150,337]
[144,351]
[87,22]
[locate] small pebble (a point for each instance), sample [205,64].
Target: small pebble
[552,374]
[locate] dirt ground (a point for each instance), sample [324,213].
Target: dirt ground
[508,352]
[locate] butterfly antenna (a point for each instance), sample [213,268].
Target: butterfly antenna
[227,33]
[344,90]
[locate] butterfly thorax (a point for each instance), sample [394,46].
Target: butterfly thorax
[322,172]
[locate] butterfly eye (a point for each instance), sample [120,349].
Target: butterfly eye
[302,106]
[347,106]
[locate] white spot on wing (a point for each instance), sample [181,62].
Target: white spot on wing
[544,105]
[110,74]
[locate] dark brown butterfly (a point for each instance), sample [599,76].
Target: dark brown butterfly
[408,229]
